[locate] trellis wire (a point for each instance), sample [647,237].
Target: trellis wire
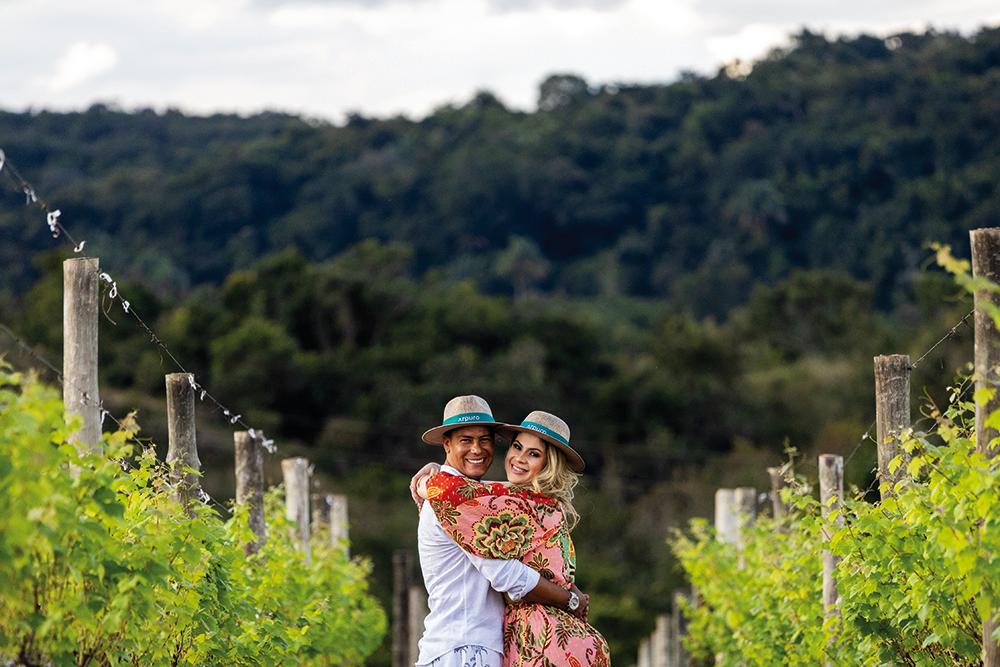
[203,495]
[57,229]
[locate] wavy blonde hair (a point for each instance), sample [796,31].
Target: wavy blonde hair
[558,481]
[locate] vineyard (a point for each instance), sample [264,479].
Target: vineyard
[101,565]
[110,556]
[912,578]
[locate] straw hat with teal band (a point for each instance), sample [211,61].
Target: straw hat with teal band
[461,411]
[552,430]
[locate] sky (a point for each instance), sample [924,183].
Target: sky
[326,58]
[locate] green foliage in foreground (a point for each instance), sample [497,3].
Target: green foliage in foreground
[106,569]
[918,573]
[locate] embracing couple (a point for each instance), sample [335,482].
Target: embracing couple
[481,541]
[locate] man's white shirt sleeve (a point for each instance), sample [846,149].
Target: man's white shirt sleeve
[506,576]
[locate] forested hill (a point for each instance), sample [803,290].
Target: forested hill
[846,154]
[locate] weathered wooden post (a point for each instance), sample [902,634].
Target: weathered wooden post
[831,496]
[81,396]
[778,482]
[417,613]
[726,528]
[892,415]
[338,523]
[182,443]
[402,572]
[250,485]
[745,506]
[645,654]
[660,642]
[295,472]
[678,628]
[986,264]
[745,502]
[320,512]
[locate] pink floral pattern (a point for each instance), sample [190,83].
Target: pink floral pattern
[495,521]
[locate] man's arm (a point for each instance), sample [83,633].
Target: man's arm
[522,582]
[553,595]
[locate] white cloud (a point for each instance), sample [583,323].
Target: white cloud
[326,57]
[82,61]
[749,43]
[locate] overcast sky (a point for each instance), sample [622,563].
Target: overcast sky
[326,57]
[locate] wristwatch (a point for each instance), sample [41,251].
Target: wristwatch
[574,601]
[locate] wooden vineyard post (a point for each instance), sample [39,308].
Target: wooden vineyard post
[402,572]
[726,525]
[295,472]
[81,396]
[745,503]
[182,447]
[831,496]
[320,512]
[659,643]
[986,264]
[338,523]
[725,516]
[250,485]
[645,654]
[678,628]
[892,415]
[778,482]
[417,612]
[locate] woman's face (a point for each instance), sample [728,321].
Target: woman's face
[525,458]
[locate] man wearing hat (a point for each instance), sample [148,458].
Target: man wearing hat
[465,623]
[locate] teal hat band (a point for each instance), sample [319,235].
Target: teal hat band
[535,426]
[468,418]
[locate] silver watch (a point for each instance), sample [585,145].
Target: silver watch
[574,601]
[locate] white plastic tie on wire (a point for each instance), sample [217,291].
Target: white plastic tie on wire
[234,419]
[125,305]
[53,221]
[202,397]
[78,248]
[312,469]
[203,496]
[29,196]
[104,413]
[252,433]
[105,277]
[114,290]
[3,159]
[267,444]
[194,385]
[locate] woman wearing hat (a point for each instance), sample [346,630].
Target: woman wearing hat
[529,519]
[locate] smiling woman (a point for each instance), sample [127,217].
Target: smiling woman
[529,520]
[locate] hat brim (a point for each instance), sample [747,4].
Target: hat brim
[433,436]
[573,459]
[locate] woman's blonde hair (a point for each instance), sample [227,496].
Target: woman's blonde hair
[558,481]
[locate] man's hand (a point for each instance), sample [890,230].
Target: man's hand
[552,595]
[584,609]
[423,474]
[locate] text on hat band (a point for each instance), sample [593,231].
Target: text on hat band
[468,417]
[535,426]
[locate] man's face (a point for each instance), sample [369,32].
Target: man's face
[469,450]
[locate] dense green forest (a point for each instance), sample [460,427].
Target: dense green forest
[695,275]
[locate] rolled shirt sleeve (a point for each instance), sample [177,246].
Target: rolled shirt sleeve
[506,576]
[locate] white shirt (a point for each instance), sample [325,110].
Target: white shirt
[463,591]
